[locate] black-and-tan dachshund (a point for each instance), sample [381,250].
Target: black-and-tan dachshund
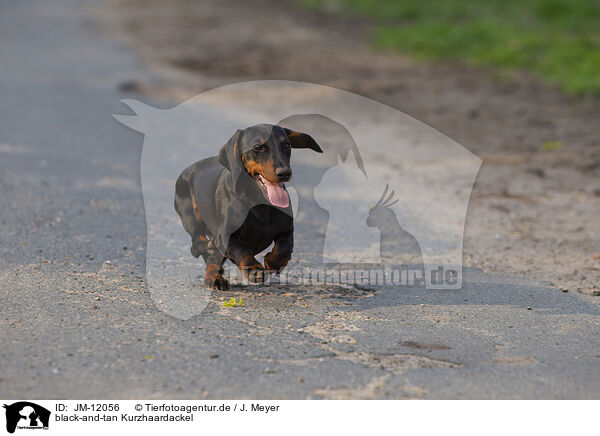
[235,205]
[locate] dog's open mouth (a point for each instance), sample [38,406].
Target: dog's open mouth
[275,191]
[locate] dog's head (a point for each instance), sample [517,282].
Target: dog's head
[263,152]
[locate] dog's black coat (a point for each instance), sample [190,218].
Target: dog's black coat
[227,213]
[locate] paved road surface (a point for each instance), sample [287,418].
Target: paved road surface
[78,322]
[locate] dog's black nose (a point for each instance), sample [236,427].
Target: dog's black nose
[283,173]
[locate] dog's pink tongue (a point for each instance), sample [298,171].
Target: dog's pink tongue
[277,195]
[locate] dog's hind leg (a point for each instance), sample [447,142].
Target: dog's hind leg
[199,238]
[185,205]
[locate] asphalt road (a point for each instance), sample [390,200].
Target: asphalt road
[77,320]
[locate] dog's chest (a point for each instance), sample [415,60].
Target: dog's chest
[263,225]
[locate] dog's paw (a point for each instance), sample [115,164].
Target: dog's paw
[255,273]
[217,282]
[214,278]
[274,263]
[253,270]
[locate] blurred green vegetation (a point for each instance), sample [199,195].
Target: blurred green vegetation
[557,39]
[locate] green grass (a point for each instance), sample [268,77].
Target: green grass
[557,39]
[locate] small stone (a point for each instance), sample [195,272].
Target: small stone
[214,356]
[593,292]
[129,86]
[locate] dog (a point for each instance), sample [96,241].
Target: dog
[235,205]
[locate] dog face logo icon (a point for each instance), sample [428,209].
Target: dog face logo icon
[26,415]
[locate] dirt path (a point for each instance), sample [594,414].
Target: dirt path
[533,211]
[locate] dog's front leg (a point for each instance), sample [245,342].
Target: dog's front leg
[277,259]
[242,256]
[214,271]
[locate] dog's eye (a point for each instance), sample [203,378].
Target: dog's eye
[286,146]
[259,147]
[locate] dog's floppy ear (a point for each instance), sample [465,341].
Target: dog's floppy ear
[230,157]
[230,154]
[302,140]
